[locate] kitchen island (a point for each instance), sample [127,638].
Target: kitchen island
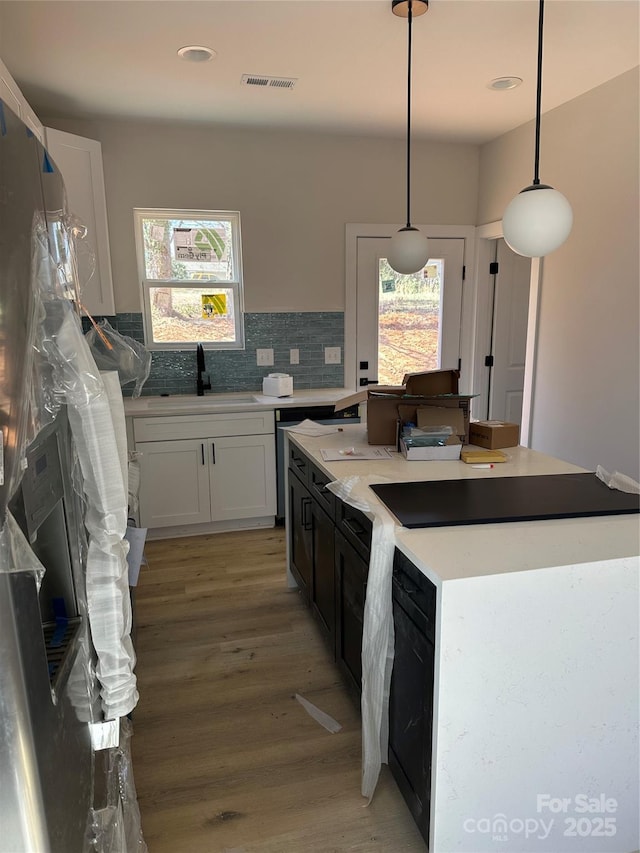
[534,739]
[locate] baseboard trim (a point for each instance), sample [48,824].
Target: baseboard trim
[181,530]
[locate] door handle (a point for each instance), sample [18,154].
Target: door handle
[353,527]
[213,453]
[306,503]
[202,452]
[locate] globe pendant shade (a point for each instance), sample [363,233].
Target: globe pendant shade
[408,251]
[537,221]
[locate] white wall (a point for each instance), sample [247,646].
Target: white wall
[586,374]
[295,191]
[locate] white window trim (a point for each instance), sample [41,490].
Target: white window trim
[237,286]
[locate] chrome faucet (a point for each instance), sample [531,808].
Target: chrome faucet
[201,384]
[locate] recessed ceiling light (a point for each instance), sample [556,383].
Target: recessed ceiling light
[500,84]
[196,53]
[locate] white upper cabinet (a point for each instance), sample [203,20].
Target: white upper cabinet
[15,100]
[80,162]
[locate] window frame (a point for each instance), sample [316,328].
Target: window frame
[146,284]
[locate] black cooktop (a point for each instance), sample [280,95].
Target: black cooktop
[443,503]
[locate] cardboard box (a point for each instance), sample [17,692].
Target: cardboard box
[383,402]
[430,454]
[447,416]
[494,434]
[430,383]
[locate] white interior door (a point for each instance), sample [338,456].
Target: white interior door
[407,323]
[509,339]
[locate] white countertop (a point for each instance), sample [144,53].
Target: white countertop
[243,401]
[468,551]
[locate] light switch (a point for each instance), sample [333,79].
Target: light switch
[264,357]
[294,356]
[332,355]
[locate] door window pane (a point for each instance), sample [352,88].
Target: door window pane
[409,321]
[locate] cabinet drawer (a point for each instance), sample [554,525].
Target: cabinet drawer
[415,593]
[202,426]
[355,527]
[317,484]
[299,463]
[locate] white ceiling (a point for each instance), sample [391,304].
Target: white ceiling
[118,58]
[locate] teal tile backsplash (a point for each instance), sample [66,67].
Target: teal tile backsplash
[236,370]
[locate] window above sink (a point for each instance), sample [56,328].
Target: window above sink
[190,264]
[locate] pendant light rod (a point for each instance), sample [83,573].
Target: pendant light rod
[539,219]
[536,159]
[410,22]
[408,248]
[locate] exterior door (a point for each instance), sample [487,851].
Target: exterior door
[407,323]
[509,337]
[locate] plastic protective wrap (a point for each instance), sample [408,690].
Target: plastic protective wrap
[69,375]
[378,633]
[116,828]
[113,351]
[618,481]
[16,554]
[62,376]
[50,377]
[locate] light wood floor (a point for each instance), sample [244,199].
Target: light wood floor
[225,760]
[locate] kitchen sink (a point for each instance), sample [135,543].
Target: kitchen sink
[189,401]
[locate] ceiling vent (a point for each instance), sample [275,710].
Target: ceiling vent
[263,82]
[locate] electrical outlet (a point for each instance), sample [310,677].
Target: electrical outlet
[264,357]
[294,356]
[332,355]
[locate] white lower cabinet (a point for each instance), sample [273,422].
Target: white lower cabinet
[174,483]
[242,476]
[227,479]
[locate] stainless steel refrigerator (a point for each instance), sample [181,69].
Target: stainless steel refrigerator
[50,693]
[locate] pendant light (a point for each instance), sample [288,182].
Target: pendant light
[539,219]
[408,250]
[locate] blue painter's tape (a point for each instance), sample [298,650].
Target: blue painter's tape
[3,121]
[46,164]
[58,635]
[30,133]
[59,607]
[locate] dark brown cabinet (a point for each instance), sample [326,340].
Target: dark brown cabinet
[311,534]
[300,535]
[322,572]
[351,589]
[411,699]
[330,545]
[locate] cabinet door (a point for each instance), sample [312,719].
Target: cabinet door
[299,531]
[323,588]
[80,162]
[411,715]
[13,97]
[243,477]
[174,483]
[351,589]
